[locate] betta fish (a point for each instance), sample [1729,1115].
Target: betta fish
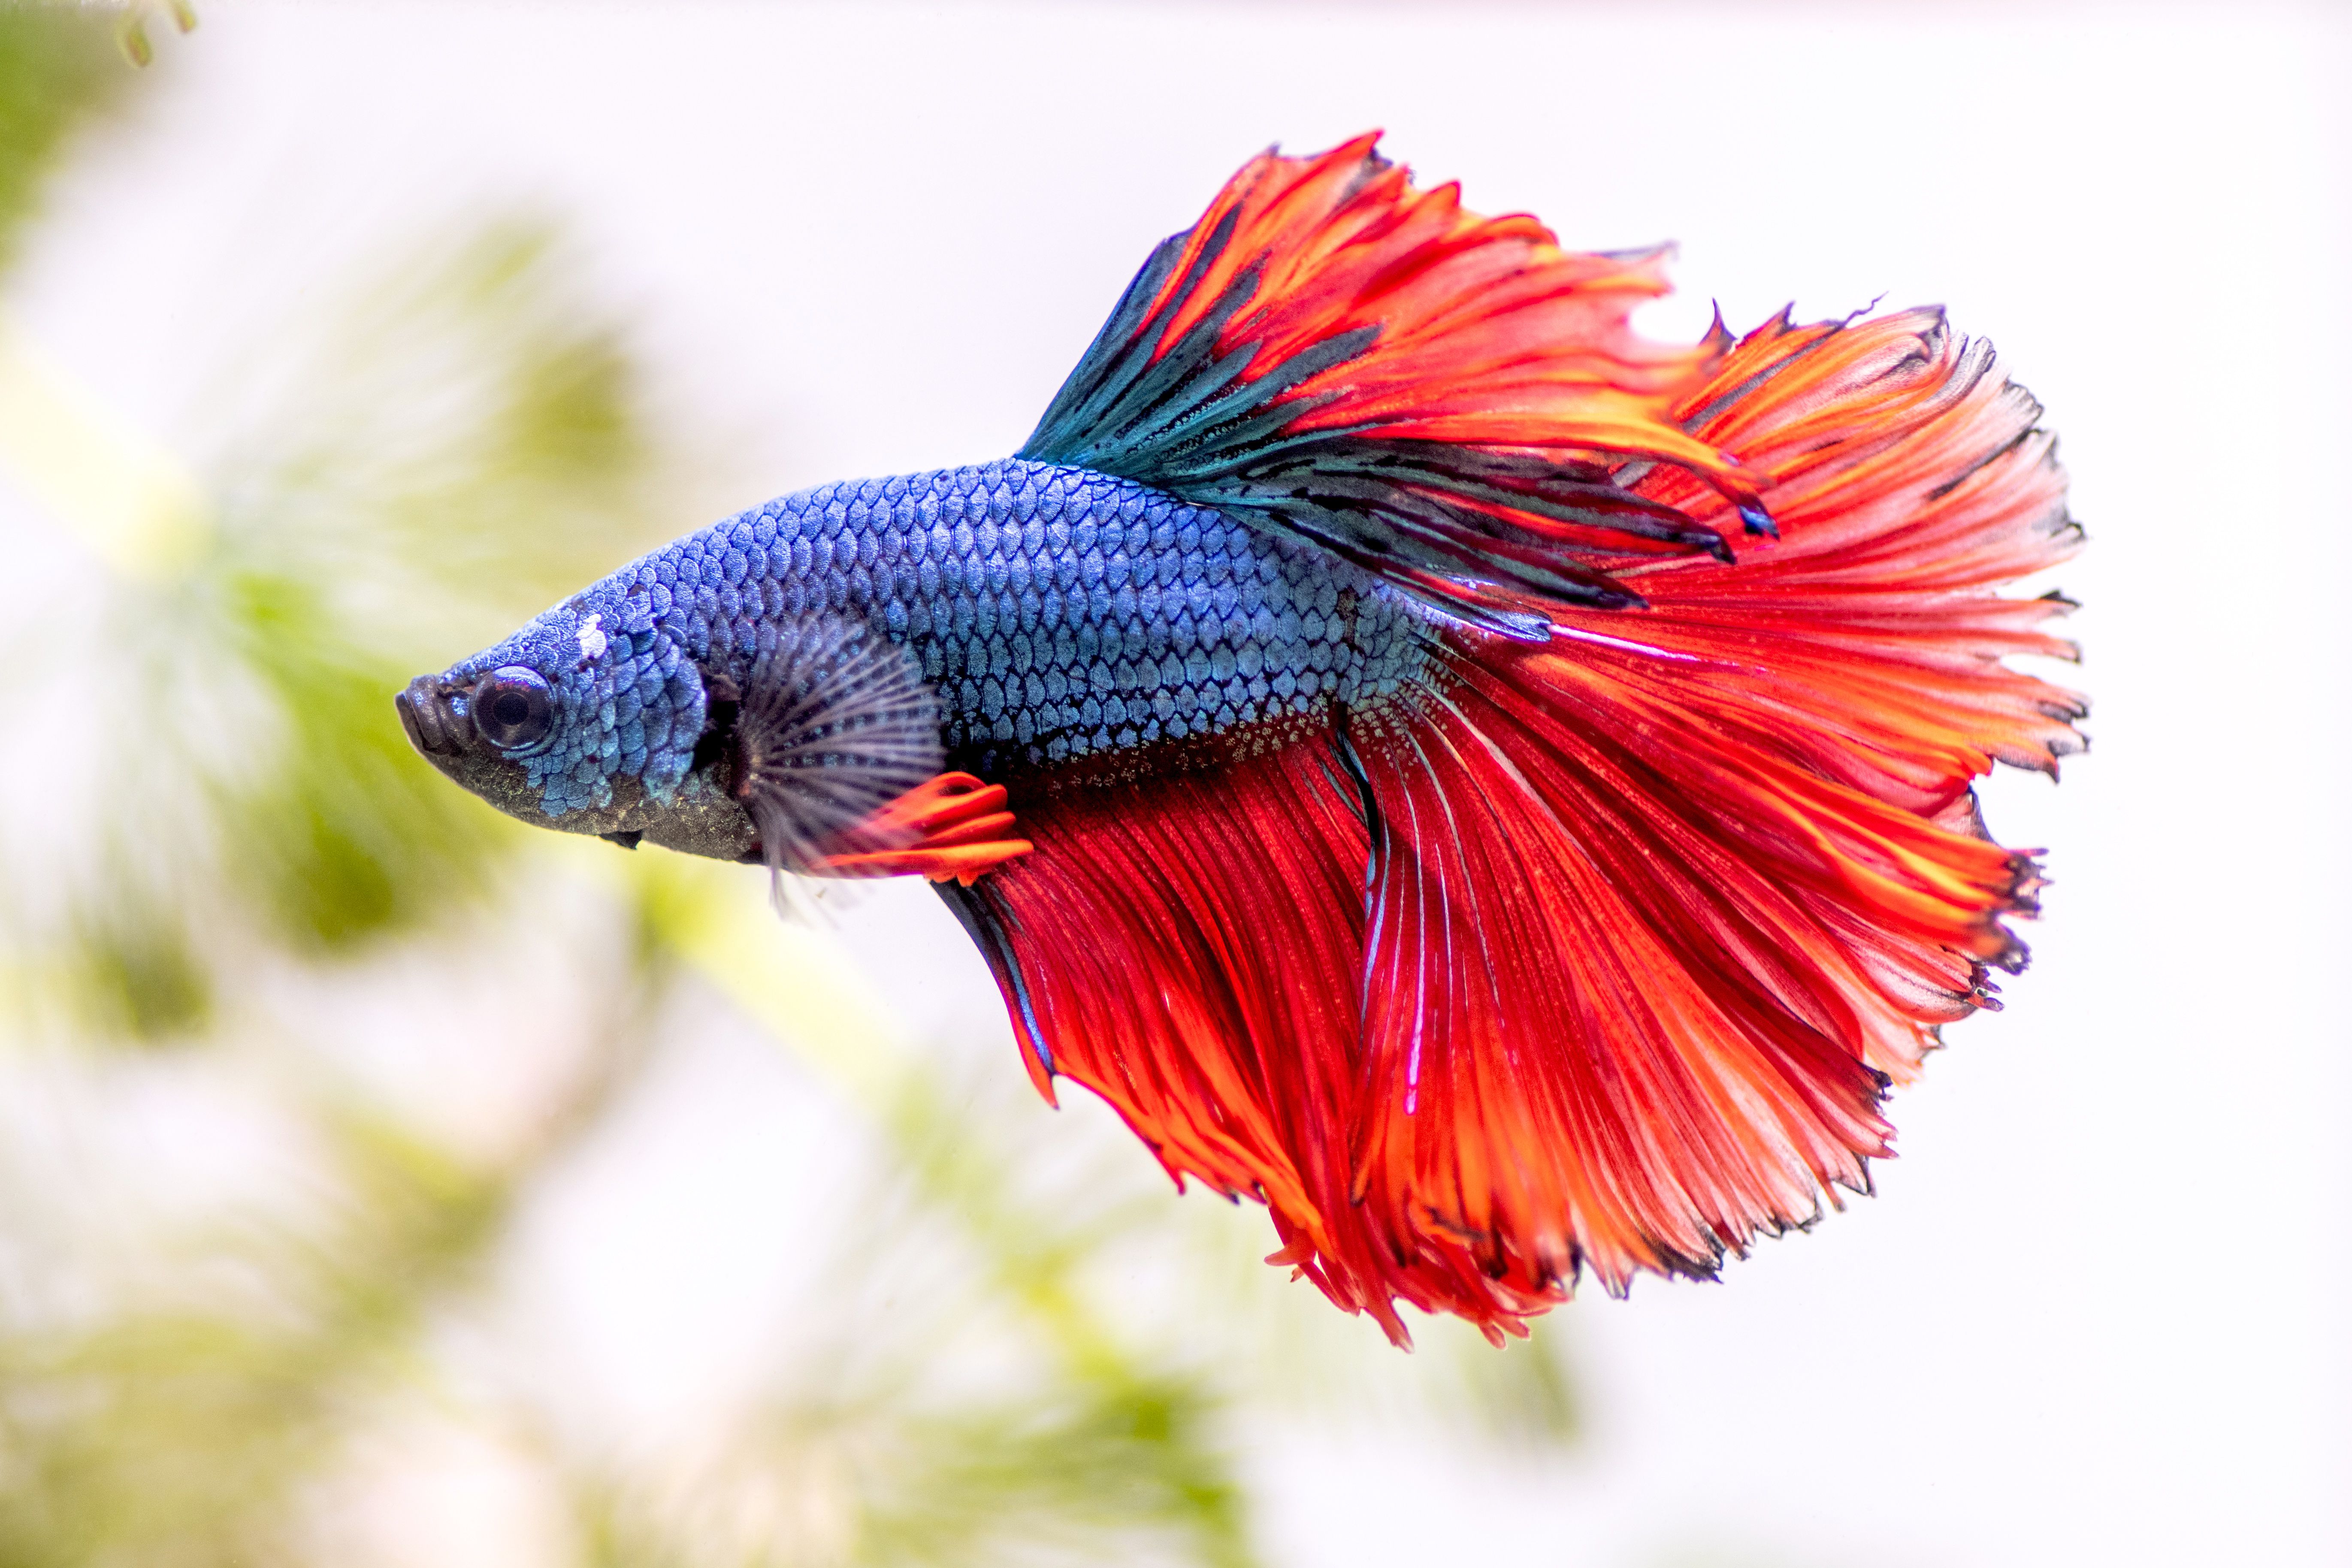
[1494,789]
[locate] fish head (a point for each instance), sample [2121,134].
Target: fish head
[591,718]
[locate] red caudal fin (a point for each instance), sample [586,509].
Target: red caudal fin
[1433,395]
[1658,909]
[1597,951]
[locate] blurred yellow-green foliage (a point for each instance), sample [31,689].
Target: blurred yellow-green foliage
[57,68]
[236,868]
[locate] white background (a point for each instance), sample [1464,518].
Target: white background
[2095,1314]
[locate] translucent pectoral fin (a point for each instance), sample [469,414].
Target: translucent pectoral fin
[950,827]
[835,729]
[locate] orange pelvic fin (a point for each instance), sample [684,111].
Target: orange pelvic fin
[950,827]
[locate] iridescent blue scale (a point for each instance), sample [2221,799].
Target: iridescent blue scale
[1061,614]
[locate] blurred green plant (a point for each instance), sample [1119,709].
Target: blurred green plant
[58,69]
[399,504]
[1103,1473]
[382,498]
[411,469]
[174,1433]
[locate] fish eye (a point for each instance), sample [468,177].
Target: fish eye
[511,709]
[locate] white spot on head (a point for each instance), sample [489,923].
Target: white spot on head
[592,638]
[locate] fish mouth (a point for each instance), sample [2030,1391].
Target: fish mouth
[436,726]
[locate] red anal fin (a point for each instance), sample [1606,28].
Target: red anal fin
[950,827]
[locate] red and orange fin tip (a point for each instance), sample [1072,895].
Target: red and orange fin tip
[1597,950]
[1911,484]
[1436,397]
[952,827]
[1486,332]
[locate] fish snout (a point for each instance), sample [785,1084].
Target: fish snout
[430,711]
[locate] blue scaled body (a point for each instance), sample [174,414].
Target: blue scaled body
[1061,615]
